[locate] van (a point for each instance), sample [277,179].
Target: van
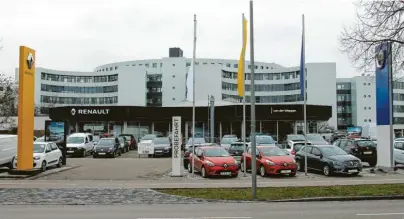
[8,150]
[80,144]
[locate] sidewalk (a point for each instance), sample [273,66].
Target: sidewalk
[205,183]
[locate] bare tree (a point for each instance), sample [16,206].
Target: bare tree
[8,101]
[377,21]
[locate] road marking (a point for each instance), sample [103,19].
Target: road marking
[195,218]
[379,214]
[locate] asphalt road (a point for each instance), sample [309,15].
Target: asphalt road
[323,210]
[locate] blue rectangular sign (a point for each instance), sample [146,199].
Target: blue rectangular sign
[383,83]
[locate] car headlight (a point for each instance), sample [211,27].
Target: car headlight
[111,148]
[235,162]
[37,158]
[270,162]
[210,163]
[336,163]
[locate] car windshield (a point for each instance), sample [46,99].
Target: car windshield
[332,151]
[229,140]
[314,137]
[75,140]
[39,148]
[148,137]
[106,142]
[41,139]
[272,151]
[196,141]
[216,152]
[365,143]
[161,141]
[295,138]
[265,140]
[237,147]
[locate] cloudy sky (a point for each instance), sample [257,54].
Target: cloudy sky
[81,34]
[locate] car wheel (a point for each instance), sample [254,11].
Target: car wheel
[119,153]
[372,163]
[94,155]
[355,174]
[299,166]
[292,174]
[189,167]
[84,153]
[43,166]
[235,176]
[326,170]
[11,164]
[242,166]
[60,162]
[203,172]
[263,173]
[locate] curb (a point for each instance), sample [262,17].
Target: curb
[50,173]
[343,198]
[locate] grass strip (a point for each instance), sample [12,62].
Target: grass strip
[280,193]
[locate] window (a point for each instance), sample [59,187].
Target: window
[235,65]
[173,99]
[365,108]
[173,76]
[316,151]
[154,65]
[228,65]
[368,95]
[364,96]
[369,107]
[368,83]
[173,64]
[365,120]
[173,87]
[364,84]
[399,145]
[116,67]
[53,146]
[147,65]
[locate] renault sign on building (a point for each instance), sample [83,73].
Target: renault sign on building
[26,89]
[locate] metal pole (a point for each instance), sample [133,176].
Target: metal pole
[208,114]
[277,131]
[303,74]
[253,142]
[244,122]
[212,118]
[193,100]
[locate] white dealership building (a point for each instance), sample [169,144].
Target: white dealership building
[162,82]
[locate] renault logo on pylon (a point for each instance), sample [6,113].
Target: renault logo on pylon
[30,60]
[73,112]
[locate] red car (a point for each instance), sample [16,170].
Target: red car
[213,161]
[271,160]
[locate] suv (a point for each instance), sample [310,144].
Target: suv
[363,149]
[80,144]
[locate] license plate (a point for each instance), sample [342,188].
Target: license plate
[225,173]
[352,171]
[367,152]
[159,151]
[101,153]
[286,171]
[70,152]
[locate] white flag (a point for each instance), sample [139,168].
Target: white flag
[190,83]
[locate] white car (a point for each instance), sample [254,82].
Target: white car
[80,144]
[8,150]
[399,152]
[46,154]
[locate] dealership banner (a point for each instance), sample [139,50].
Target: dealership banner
[384,105]
[176,146]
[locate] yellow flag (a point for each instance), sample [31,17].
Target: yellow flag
[240,72]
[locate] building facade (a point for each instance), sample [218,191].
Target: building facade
[356,102]
[162,82]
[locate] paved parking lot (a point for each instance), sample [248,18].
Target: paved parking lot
[127,167]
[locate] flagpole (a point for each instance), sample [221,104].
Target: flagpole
[303,74]
[252,85]
[193,100]
[244,119]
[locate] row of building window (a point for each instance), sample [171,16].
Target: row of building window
[108,69]
[265,99]
[72,89]
[263,87]
[79,100]
[344,109]
[263,76]
[155,65]
[398,97]
[78,79]
[154,77]
[343,97]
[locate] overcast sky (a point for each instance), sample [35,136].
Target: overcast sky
[82,34]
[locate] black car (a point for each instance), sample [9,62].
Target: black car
[108,147]
[328,159]
[364,149]
[162,146]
